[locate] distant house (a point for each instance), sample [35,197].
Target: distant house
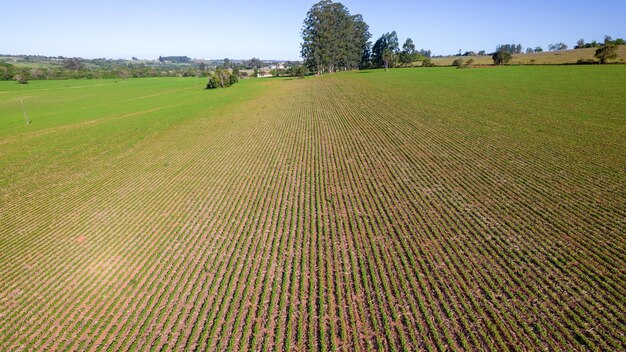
[278,67]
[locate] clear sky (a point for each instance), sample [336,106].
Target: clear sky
[271,29]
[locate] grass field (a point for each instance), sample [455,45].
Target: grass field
[418,209]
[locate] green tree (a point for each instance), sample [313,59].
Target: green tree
[408,46]
[385,50]
[300,71]
[232,79]
[7,71]
[606,52]
[501,57]
[255,63]
[333,39]
[359,52]
[221,79]
[297,71]
[408,54]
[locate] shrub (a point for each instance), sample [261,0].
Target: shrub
[20,79]
[428,63]
[469,63]
[213,83]
[585,62]
[233,79]
[457,62]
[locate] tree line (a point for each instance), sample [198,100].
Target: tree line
[604,53]
[24,68]
[78,70]
[608,40]
[333,39]
[387,53]
[175,59]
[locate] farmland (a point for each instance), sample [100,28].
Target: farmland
[415,209]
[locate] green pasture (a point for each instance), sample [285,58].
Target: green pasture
[74,121]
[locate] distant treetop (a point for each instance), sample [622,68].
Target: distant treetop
[510,48]
[175,59]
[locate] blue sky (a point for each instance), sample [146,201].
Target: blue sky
[271,29]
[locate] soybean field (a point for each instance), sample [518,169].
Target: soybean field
[416,209]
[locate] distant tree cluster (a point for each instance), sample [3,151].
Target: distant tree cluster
[557,47]
[510,48]
[386,52]
[536,49]
[253,63]
[504,52]
[582,45]
[333,39]
[53,68]
[297,71]
[594,44]
[425,53]
[72,64]
[608,51]
[175,59]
